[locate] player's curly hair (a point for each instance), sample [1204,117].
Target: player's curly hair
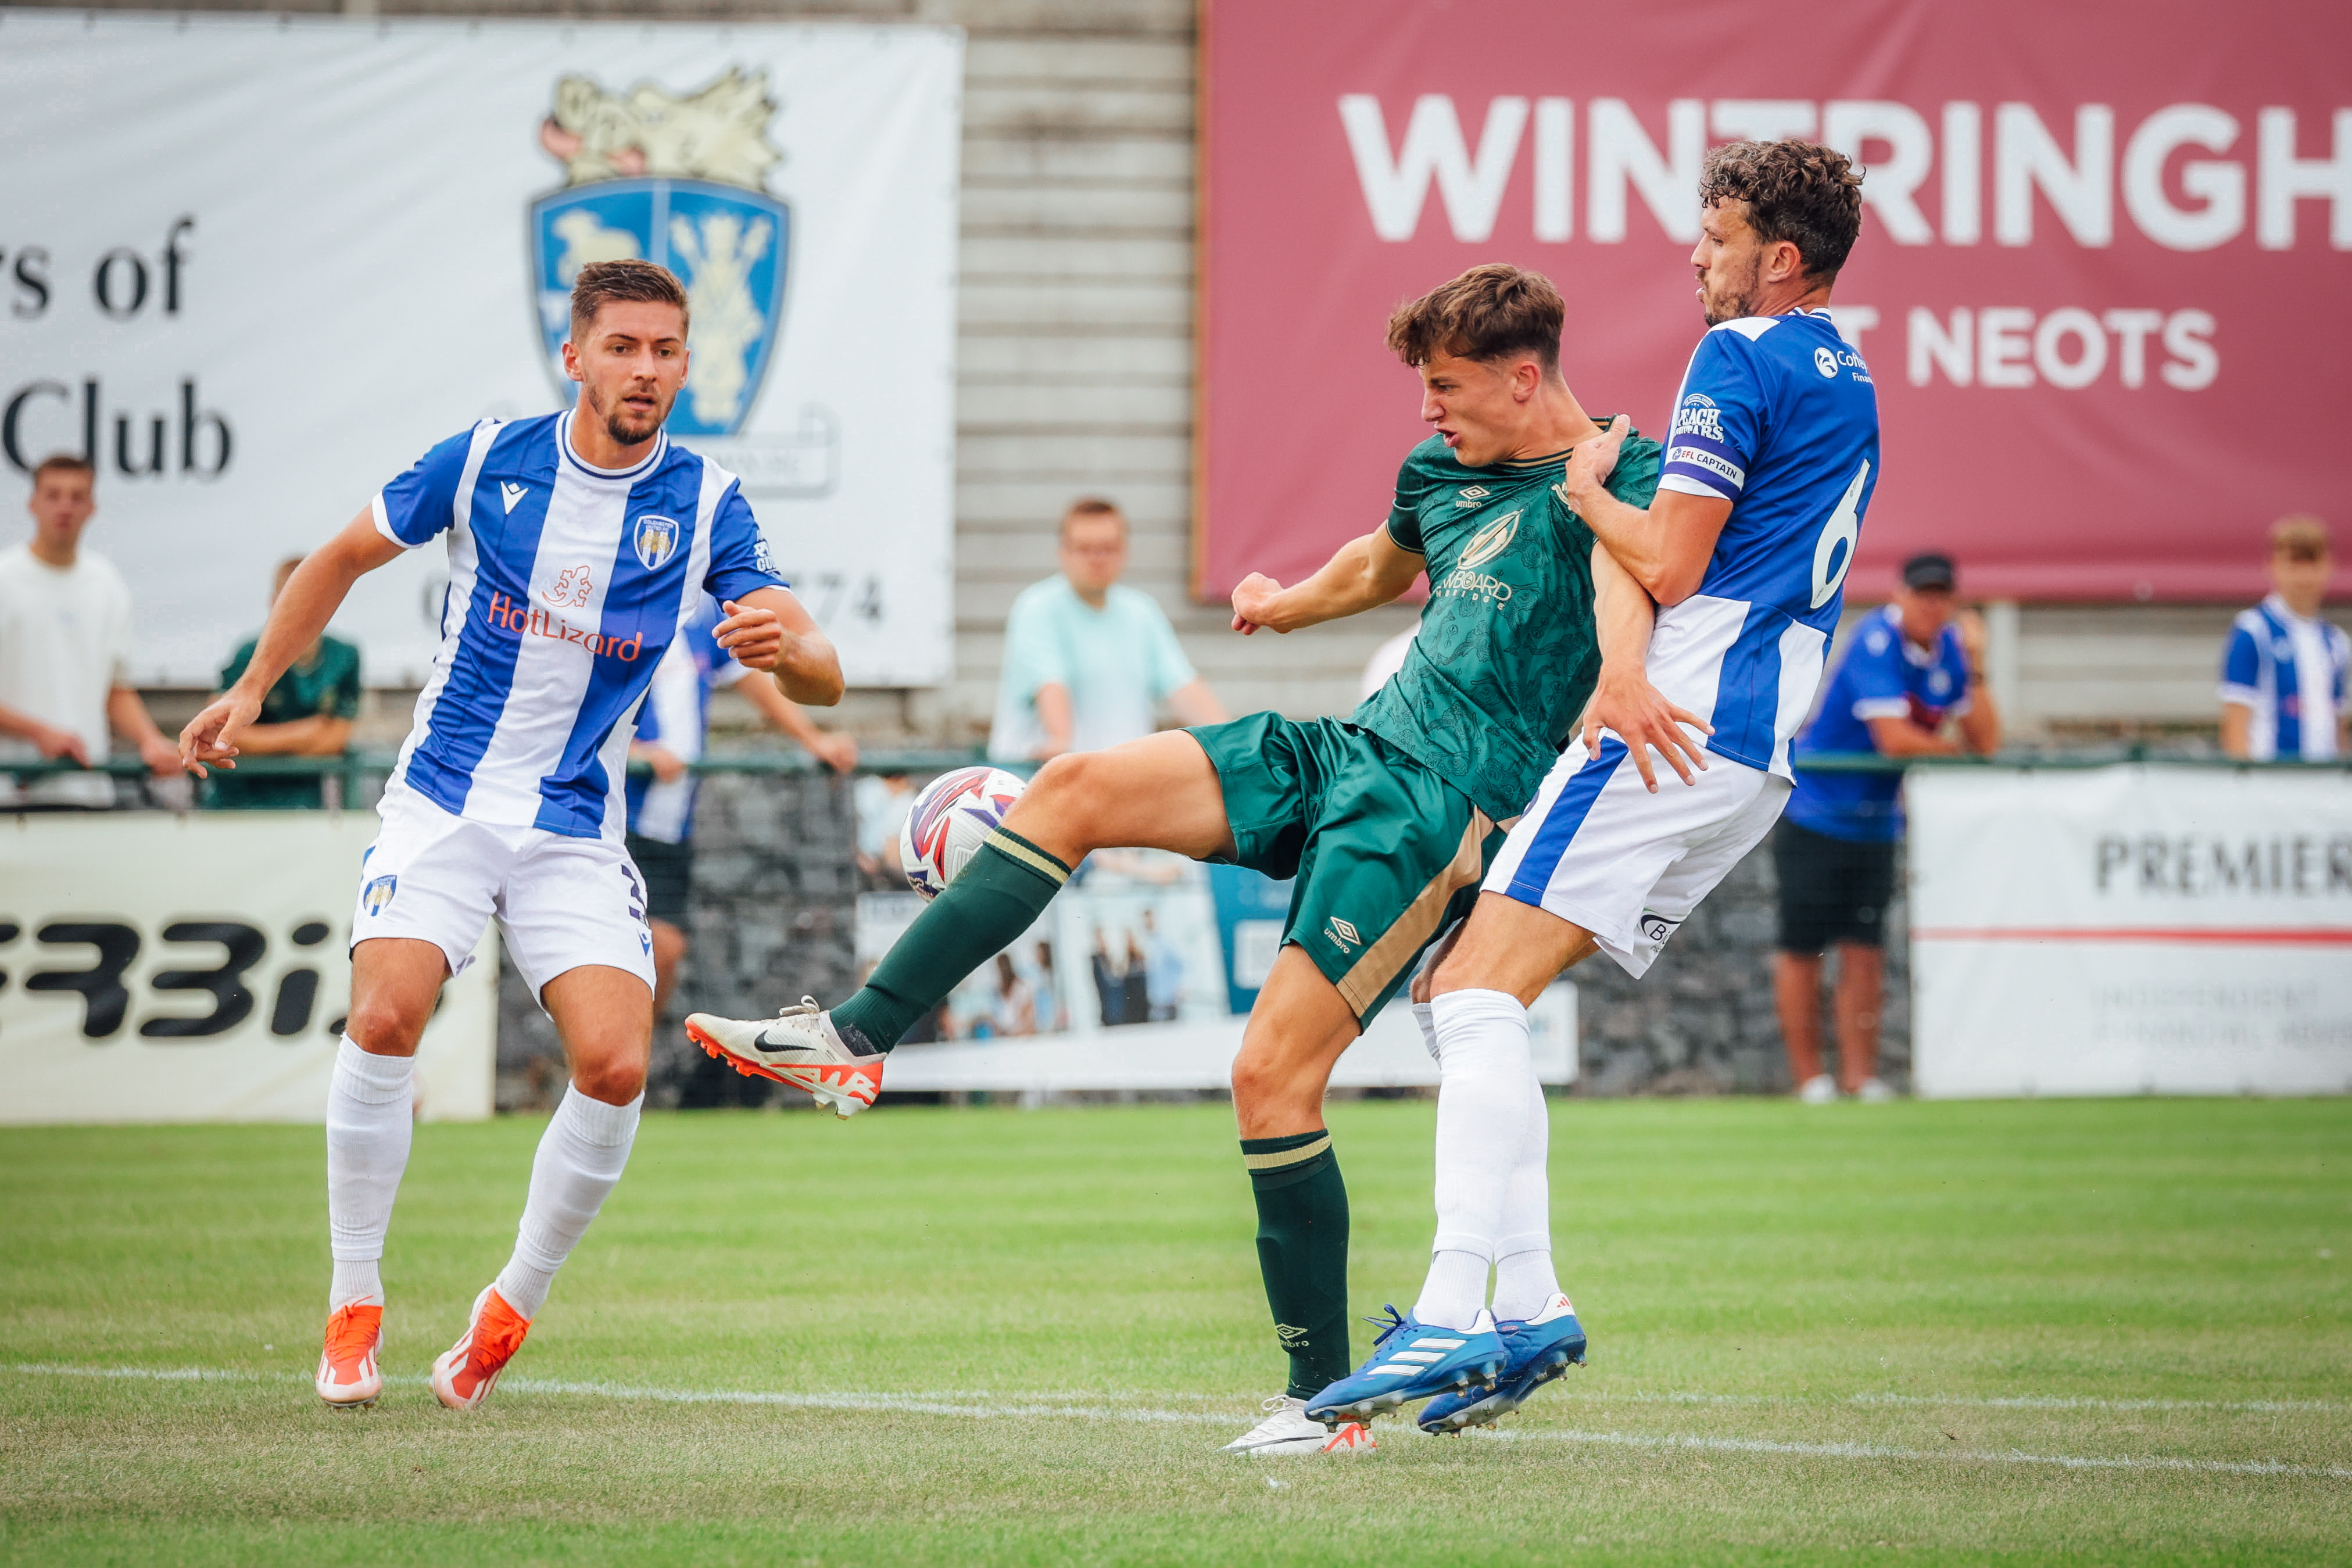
[602,283]
[1807,194]
[1490,312]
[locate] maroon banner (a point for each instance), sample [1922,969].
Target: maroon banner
[2101,284]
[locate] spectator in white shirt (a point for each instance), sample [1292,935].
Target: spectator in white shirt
[1087,661]
[65,643]
[2283,675]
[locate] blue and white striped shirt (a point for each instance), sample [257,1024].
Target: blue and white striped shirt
[2290,672]
[567,584]
[1778,416]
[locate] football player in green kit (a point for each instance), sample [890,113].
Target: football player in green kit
[1385,819]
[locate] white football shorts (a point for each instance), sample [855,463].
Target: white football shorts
[1601,850]
[560,902]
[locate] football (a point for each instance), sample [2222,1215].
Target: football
[948,819]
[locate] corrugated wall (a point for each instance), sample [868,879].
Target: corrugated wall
[1077,349]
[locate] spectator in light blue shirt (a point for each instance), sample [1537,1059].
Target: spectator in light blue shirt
[1086,661]
[2283,677]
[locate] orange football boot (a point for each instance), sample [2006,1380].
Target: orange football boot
[464,1374]
[348,1378]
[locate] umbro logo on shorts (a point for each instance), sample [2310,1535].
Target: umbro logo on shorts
[1342,933]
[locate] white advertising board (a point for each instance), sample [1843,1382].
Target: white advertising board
[1389,1054]
[255,266]
[159,968]
[2131,930]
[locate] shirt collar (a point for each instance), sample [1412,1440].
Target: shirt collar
[644,465]
[2277,607]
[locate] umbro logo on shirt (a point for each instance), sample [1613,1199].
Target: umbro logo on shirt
[512,494]
[1472,496]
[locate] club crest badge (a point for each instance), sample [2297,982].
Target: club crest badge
[378,893]
[654,539]
[681,182]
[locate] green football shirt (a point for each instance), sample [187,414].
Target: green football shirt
[328,685]
[1507,653]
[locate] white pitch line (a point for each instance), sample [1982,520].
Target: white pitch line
[1964,1401]
[1966,1456]
[918,1405]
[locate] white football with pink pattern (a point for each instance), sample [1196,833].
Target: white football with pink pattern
[954,812]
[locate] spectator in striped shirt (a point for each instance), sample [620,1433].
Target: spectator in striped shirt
[2282,678]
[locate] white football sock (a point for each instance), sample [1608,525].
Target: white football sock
[580,1159]
[1428,1029]
[1485,1071]
[370,1119]
[1524,1280]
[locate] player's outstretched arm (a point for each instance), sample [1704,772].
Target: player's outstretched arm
[310,598]
[1666,546]
[768,629]
[836,751]
[1624,701]
[1365,572]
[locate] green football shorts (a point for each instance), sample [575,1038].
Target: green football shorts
[1385,852]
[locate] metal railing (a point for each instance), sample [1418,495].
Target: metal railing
[352,767]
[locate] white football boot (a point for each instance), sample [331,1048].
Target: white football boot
[1286,1430]
[799,1046]
[1819,1089]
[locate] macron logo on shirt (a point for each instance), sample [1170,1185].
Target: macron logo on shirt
[521,621]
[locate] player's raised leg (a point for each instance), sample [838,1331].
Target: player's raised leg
[370,1114]
[1158,793]
[606,1017]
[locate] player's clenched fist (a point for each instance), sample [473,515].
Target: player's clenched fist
[1253,598]
[754,636]
[211,735]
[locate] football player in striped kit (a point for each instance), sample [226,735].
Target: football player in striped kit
[579,544]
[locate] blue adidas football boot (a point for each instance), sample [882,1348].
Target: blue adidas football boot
[1412,1360]
[1540,1350]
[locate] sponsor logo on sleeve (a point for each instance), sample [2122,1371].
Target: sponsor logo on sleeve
[1699,416]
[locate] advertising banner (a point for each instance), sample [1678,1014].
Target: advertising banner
[1141,974]
[194,968]
[2131,930]
[2099,286]
[253,266]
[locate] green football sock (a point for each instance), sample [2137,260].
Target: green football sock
[1302,1250]
[997,896]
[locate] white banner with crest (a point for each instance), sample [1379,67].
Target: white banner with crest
[255,266]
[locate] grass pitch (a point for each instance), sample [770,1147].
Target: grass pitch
[2081,1332]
